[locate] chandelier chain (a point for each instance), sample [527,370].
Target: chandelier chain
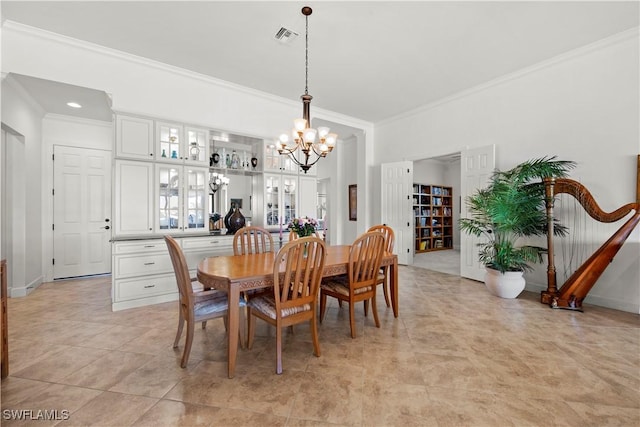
[306,56]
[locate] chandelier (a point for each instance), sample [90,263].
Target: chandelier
[217,180]
[303,136]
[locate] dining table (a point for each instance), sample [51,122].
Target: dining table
[235,274]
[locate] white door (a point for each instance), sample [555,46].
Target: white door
[81,212]
[476,167]
[396,211]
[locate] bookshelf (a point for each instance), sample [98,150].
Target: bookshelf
[433,220]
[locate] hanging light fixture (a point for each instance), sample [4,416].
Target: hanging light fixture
[304,140]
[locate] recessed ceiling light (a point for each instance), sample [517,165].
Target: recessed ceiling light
[74,105]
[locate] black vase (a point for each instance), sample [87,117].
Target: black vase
[236,221]
[254,162]
[227,216]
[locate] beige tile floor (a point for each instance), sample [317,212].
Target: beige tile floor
[456,356]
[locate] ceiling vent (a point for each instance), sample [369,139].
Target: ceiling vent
[285,35]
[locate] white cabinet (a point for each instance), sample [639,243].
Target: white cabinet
[276,162]
[143,273]
[133,205]
[134,137]
[178,144]
[182,198]
[280,199]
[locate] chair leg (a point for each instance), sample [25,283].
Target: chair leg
[366,307]
[340,303]
[374,308]
[241,329]
[352,319]
[323,305]
[180,327]
[385,288]
[187,345]
[314,336]
[278,350]
[204,324]
[250,328]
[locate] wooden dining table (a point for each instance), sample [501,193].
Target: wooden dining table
[237,273]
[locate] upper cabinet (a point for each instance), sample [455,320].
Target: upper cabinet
[182,198]
[170,142]
[197,141]
[276,162]
[134,138]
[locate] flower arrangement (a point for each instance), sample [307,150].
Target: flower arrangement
[303,226]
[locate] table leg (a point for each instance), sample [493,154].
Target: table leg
[234,312]
[394,287]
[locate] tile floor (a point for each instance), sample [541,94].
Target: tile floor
[456,356]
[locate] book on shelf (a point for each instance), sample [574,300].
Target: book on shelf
[423,245]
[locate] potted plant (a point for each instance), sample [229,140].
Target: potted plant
[510,208]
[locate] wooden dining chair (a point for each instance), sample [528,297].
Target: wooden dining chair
[294,296]
[195,305]
[360,282]
[252,240]
[383,279]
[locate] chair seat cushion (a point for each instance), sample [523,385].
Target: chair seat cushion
[266,304]
[209,307]
[340,285]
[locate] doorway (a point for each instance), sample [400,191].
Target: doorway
[443,171]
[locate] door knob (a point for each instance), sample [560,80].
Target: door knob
[106,227]
[106,220]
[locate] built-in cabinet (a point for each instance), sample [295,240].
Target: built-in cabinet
[161,186]
[433,220]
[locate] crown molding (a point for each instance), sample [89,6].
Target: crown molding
[77,120]
[558,59]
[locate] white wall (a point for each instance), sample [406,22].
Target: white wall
[583,106]
[24,199]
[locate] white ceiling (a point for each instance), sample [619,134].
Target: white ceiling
[368,59]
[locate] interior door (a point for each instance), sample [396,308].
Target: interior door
[476,167]
[81,211]
[396,185]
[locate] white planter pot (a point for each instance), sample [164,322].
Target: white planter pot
[504,285]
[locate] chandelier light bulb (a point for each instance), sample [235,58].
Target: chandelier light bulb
[300,124]
[323,131]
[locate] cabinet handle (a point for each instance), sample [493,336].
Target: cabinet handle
[149,263]
[214,242]
[149,246]
[149,286]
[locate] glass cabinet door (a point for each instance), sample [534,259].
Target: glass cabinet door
[169,191]
[169,142]
[271,158]
[289,185]
[196,199]
[197,144]
[272,199]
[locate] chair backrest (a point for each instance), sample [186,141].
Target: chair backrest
[389,235]
[181,270]
[252,240]
[297,273]
[365,257]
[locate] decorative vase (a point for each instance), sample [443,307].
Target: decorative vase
[216,158]
[254,162]
[227,216]
[504,285]
[236,221]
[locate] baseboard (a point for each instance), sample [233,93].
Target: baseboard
[23,291]
[600,301]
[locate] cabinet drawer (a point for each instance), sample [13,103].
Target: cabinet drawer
[144,287]
[140,247]
[225,242]
[140,265]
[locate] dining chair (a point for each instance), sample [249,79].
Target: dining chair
[252,240]
[195,306]
[360,282]
[297,272]
[389,236]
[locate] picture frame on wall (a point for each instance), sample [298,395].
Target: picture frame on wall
[238,203]
[353,202]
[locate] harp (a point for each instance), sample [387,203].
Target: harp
[575,289]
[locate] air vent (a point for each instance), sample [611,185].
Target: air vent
[285,35]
